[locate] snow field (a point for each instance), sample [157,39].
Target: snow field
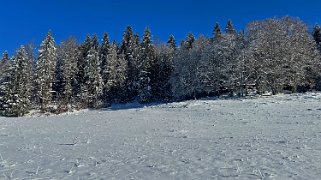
[274,137]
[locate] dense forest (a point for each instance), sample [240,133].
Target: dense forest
[272,55]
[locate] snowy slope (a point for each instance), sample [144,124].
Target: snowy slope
[275,137]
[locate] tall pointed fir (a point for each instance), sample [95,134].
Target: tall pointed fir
[146,64]
[230,28]
[103,57]
[128,49]
[171,43]
[217,32]
[80,88]
[67,58]
[188,43]
[19,88]
[317,36]
[117,70]
[5,67]
[94,81]
[46,71]
[163,70]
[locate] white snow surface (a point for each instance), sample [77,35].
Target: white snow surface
[277,137]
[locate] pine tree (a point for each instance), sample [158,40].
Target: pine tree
[230,29]
[25,79]
[67,71]
[317,35]
[188,43]
[46,71]
[146,65]
[217,32]
[163,70]
[171,43]
[5,67]
[103,55]
[129,49]
[18,92]
[117,70]
[80,87]
[95,43]
[94,81]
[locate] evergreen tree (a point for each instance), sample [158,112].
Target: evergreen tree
[217,32]
[67,58]
[95,43]
[94,81]
[18,92]
[117,70]
[188,43]
[171,43]
[163,70]
[317,35]
[46,71]
[80,87]
[103,55]
[129,49]
[146,65]
[229,28]
[5,67]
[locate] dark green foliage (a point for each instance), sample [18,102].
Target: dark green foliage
[171,43]
[229,28]
[129,49]
[188,43]
[46,66]
[18,91]
[5,75]
[217,33]
[317,35]
[103,55]
[146,79]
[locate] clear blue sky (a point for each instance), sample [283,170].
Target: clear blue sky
[25,21]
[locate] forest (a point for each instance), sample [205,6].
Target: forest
[269,56]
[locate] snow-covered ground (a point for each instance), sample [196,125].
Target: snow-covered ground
[275,137]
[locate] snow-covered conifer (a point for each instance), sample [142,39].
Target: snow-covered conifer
[103,55]
[46,66]
[67,69]
[217,32]
[94,81]
[117,70]
[146,63]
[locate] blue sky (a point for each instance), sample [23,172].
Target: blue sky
[29,21]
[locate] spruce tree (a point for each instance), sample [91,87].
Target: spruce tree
[82,63]
[188,43]
[46,66]
[146,65]
[317,35]
[25,79]
[103,55]
[94,81]
[129,49]
[217,32]
[229,28]
[164,68]
[117,70]
[171,43]
[68,70]
[18,92]
[5,67]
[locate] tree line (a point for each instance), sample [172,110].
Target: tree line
[272,55]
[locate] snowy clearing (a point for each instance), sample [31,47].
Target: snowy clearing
[275,137]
